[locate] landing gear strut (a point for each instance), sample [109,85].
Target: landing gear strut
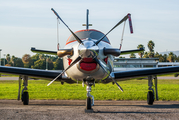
[151,94]
[24,94]
[90,98]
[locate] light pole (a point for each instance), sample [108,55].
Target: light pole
[4,59]
[47,63]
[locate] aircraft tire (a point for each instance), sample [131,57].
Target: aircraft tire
[25,98]
[22,98]
[150,98]
[88,103]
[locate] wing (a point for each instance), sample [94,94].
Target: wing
[144,72]
[48,74]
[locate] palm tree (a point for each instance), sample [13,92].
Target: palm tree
[151,45]
[165,57]
[146,55]
[141,53]
[171,57]
[8,58]
[151,54]
[161,58]
[13,59]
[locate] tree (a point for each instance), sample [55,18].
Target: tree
[171,57]
[13,59]
[132,55]
[146,55]
[53,58]
[58,64]
[165,57]
[151,45]
[18,62]
[151,54]
[26,59]
[42,56]
[156,55]
[3,60]
[35,57]
[50,64]
[140,53]
[8,58]
[39,64]
[161,58]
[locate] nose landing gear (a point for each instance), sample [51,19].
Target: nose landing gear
[90,98]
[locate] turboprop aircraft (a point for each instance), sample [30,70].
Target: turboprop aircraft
[88,57]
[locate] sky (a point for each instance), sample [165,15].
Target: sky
[31,23]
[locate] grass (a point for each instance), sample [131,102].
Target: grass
[133,90]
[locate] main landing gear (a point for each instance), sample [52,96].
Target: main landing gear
[90,98]
[151,94]
[24,94]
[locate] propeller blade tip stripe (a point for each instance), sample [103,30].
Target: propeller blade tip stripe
[130,23]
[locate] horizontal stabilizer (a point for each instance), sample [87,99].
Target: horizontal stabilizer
[132,51]
[43,51]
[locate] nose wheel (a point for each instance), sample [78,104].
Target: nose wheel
[88,103]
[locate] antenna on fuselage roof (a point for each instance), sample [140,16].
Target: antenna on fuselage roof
[87,20]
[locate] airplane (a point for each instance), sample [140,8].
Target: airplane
[88,57]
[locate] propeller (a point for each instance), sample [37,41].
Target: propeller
[124,19]
[74,62]
[108,73]
[90,49]
[77,38]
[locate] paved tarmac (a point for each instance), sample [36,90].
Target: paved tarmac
[74,109]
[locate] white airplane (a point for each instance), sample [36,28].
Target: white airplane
[88,57]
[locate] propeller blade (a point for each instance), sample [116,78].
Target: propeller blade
[130,23]
[109,74]
[77,38]
[124,19]
[117,84]
[74,62]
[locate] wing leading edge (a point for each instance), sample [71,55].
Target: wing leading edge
[34,72]
[144,72]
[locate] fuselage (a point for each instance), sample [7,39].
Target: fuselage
[87,68]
